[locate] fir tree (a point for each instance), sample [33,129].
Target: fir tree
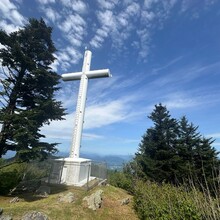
[206,163]
[27,90]
[198,158]
[157,154]
[188,139]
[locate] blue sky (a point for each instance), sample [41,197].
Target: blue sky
[158,51]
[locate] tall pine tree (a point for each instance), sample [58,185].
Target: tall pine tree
[27,90]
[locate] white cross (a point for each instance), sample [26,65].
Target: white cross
[81,101]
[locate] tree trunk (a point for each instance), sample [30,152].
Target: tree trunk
[10,111]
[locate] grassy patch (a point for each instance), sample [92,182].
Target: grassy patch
[166,202]
[111,206]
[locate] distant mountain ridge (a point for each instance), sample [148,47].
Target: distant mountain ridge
[113,161]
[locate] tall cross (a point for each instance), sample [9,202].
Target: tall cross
[81,101]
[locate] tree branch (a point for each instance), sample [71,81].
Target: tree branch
[3,103]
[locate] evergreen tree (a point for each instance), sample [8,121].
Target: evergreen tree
[206,163]
[174,151]
[157,156]
[188,139]
[198,158]
[27,89]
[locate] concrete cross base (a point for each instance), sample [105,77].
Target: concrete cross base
[71,171]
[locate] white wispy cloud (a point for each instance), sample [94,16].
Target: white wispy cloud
[147,16]
[96,116]
[65,58]
[169,64]
[153,16]
[180,101]
[107,4]
[11,18]
[73,23]
[107,22]
[51,14]
[7,27]
[59,129]
[105,114]
[78,6]
[116,24]
[89,136]
[186,74]
[144,37]
[45,2]
[72,28]
[148,3]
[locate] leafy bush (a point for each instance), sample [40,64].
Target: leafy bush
[164,202]
[12,174]
[2,161]
[9,178]
[121,180]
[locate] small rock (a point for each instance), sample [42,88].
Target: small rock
[125,201]
[14,200]
[68,198]
[43,191]
[94,201]
[5,217]
[103,183]
[1,211]
[34,215]
[42,195]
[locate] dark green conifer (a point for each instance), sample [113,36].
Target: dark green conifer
[157,154]
[174,151]
[27,90]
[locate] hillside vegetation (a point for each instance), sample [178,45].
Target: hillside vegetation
[111,205]
[153,201]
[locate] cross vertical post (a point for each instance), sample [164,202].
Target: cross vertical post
[83,76]
[80,108]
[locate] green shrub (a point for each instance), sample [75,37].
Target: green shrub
[9,178]
[121,180]
[12,174]
[165,202]
[2,161]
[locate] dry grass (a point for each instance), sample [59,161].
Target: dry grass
[111,207]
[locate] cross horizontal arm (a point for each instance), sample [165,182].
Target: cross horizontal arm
[90,74]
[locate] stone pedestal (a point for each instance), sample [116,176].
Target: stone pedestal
[71,171]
